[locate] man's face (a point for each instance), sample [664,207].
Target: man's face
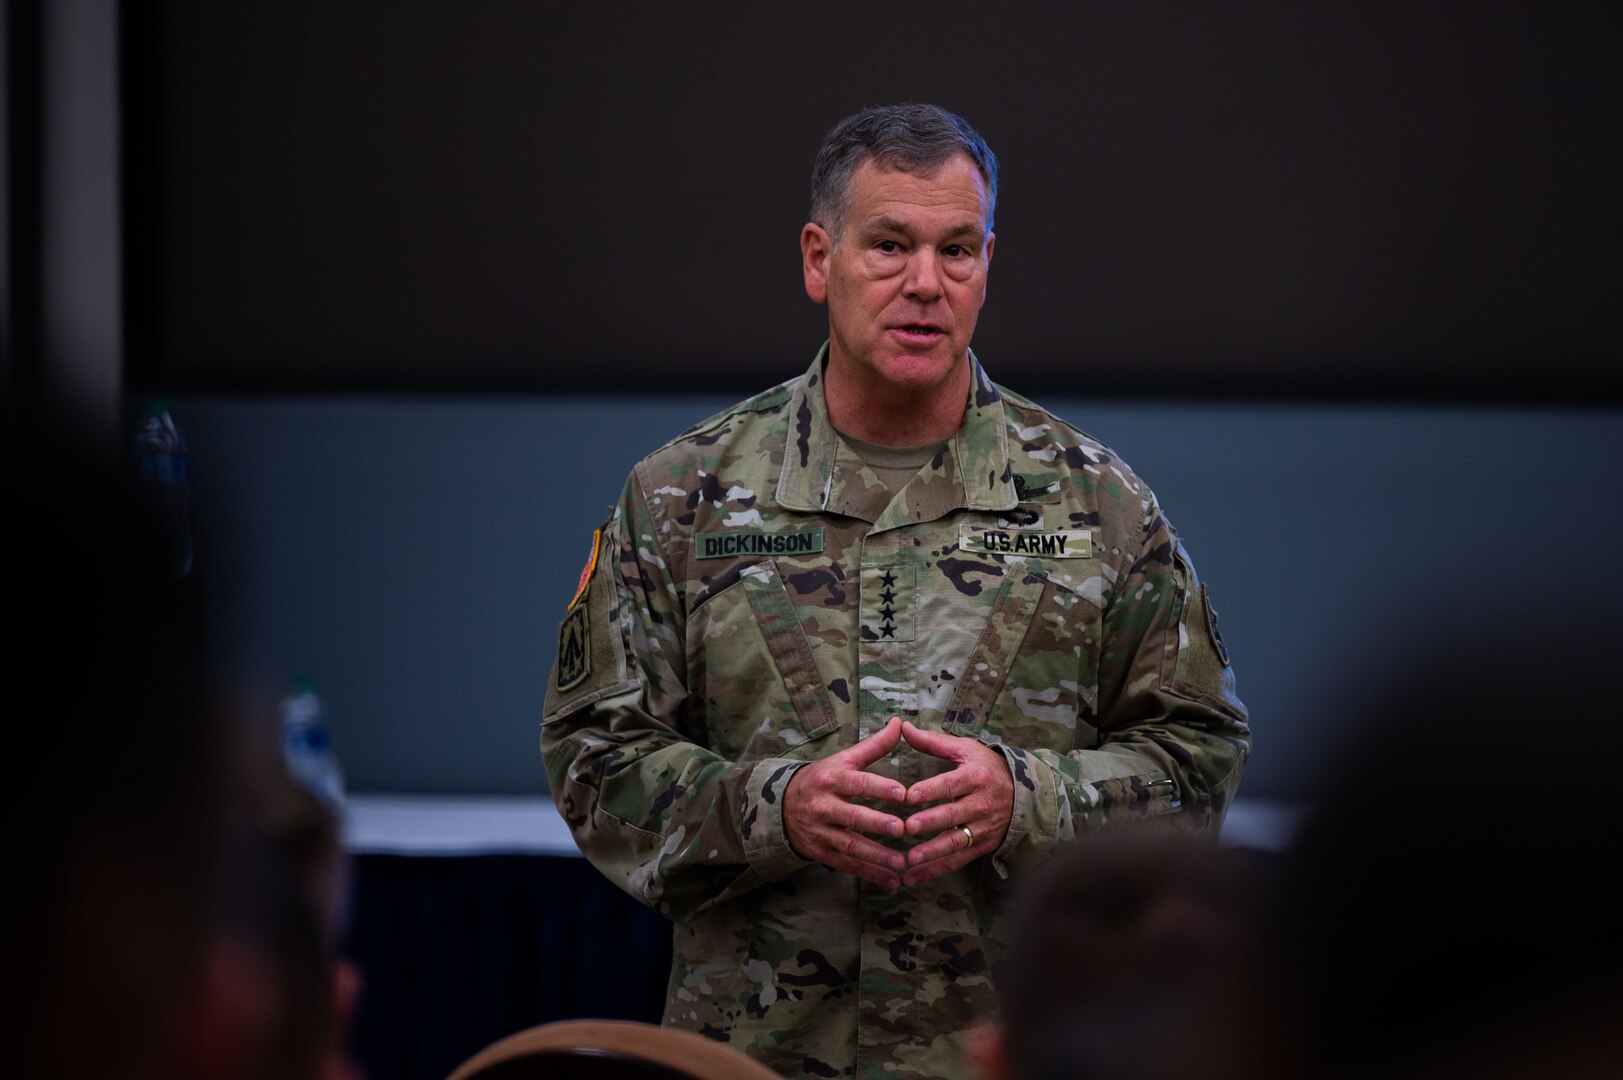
[905,280]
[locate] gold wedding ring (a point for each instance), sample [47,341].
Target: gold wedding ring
[969,837]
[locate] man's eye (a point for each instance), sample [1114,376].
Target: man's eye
[954,251]
[889,247]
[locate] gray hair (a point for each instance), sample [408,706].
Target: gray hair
[914,137]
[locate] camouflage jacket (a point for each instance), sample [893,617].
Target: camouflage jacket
[755,602]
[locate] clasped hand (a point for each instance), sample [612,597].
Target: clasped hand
[824,821]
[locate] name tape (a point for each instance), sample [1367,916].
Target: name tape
[1042,543]
[733,543]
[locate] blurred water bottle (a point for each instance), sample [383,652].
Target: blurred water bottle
[307,743]
[163,468]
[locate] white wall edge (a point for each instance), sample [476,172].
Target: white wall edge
[531,825]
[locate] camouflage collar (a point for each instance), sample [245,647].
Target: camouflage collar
[979,459]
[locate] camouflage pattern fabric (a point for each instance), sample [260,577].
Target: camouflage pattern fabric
[755,602]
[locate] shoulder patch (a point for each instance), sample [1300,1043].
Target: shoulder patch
[591,565]
[574,647]
[1211,627]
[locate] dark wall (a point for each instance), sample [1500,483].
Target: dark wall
[1274,199]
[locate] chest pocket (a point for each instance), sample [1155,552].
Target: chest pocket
[1033,677]
[752,674]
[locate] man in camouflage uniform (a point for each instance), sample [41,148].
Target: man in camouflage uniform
[849,654]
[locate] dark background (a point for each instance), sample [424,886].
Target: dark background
[423,280]
[1270,200]
[345,223]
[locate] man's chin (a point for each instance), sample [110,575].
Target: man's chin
[918,370]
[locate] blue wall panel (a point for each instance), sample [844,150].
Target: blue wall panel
[413,556]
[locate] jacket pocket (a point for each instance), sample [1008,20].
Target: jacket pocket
[752,672]
[1032,679]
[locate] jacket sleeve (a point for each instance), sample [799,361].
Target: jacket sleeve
[662,816]
[1173,734]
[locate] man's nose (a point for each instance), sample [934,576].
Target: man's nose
[924,275]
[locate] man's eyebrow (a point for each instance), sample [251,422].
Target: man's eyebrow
[885,223]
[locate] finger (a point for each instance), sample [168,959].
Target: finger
[943,855]
[936,743]
[830,831]
[858,785]
[884,875]
[929,871]
[948,844]
[874,747]
[833,803]
[843,847]
[883,878]
[983,803]
[850,853]
[857,818]
[843,777]
[959,783]
[980,768]
[938,819]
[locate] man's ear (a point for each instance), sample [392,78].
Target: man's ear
[346,993]
[229,1024]
[991,242]
[815,248]
[987,1050]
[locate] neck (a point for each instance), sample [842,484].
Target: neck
[897,416]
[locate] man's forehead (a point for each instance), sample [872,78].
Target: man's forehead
[891,192]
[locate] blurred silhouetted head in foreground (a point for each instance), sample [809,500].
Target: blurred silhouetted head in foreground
[1452,894]
[111,800]
[170,907]
[1141,952]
